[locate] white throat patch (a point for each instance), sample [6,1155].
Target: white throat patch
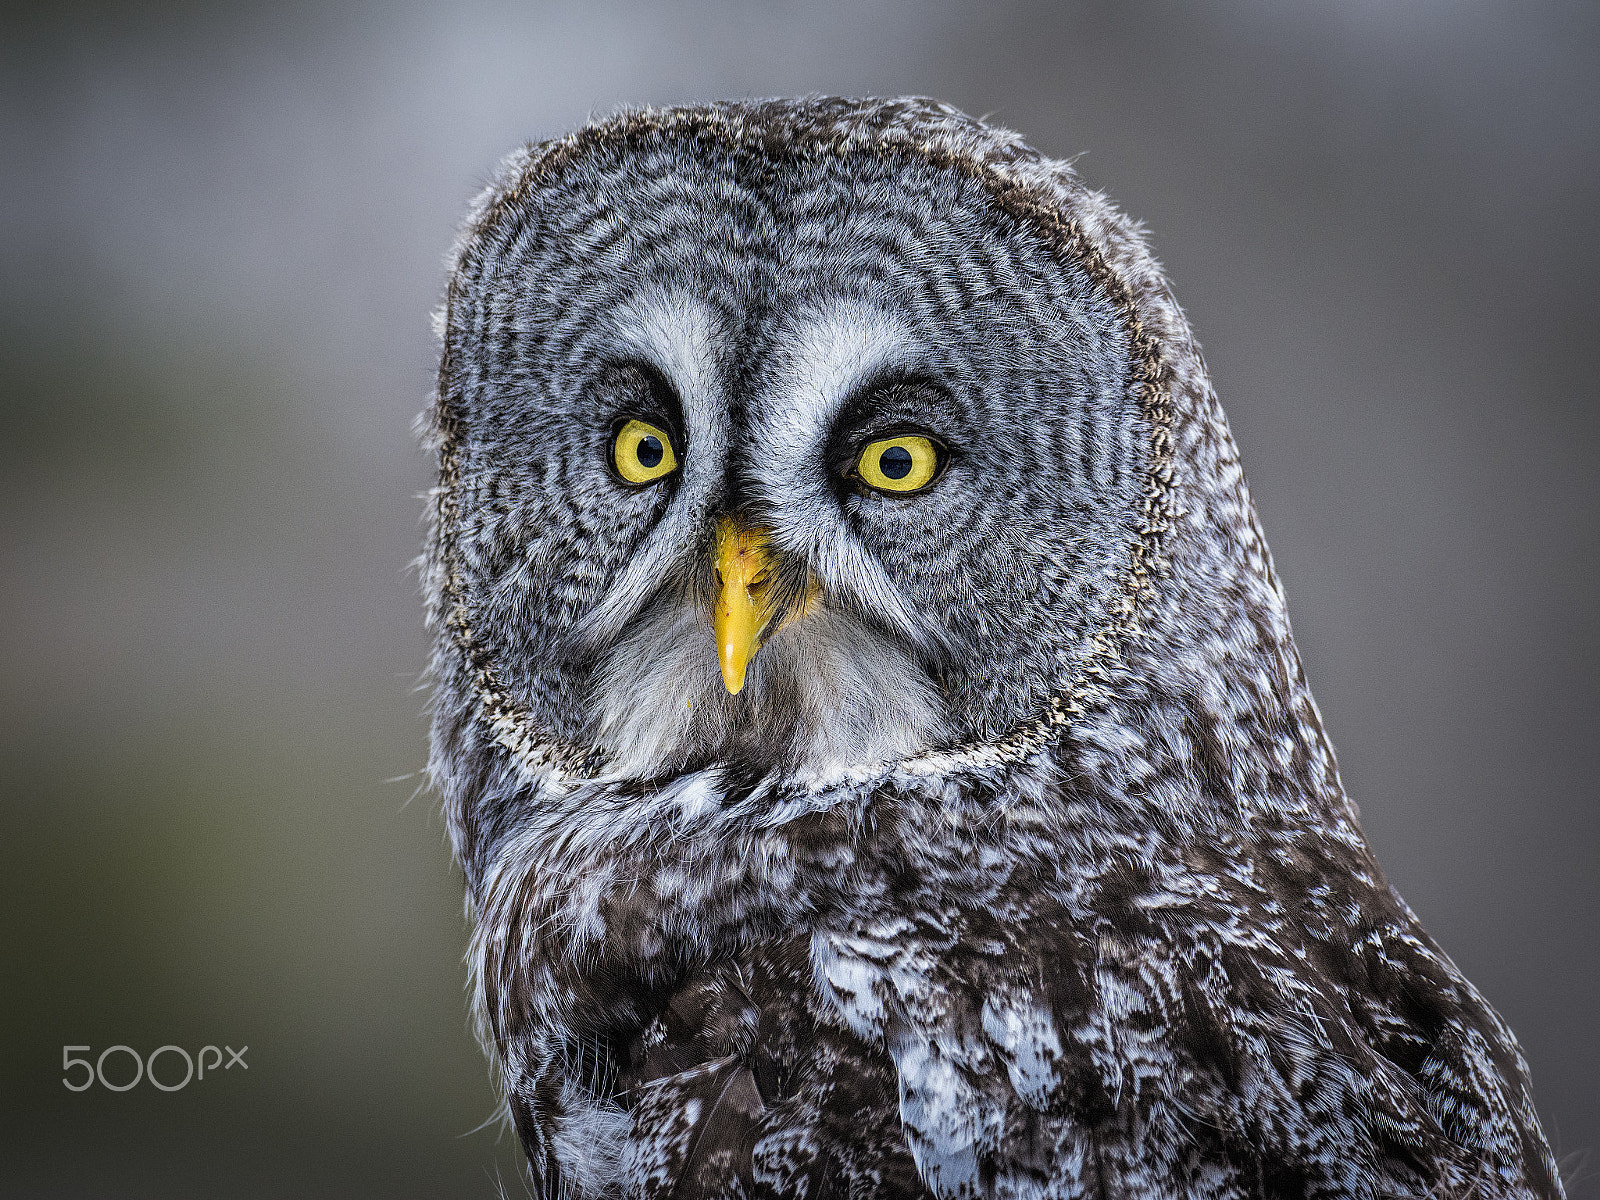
[827,693]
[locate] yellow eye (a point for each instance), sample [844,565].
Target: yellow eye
[642,453]
[907,463]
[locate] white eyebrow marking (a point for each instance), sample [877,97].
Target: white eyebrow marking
[685,339]
[678,334]
[817,361]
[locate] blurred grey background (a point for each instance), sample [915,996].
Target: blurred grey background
[221,234]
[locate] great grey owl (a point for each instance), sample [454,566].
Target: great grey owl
[866,715]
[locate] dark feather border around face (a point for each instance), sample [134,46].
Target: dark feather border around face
[782,134]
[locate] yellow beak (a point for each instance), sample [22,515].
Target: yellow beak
[741,611]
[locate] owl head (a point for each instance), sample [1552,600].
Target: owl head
[803,436]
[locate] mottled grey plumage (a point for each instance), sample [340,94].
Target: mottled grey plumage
[1021,866]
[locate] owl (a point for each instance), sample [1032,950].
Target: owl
[865,713]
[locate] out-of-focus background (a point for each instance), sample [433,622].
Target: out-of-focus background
[221,234]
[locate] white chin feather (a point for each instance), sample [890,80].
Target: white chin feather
[825,694]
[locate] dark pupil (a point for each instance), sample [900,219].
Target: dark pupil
[649,451]
[895,463]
